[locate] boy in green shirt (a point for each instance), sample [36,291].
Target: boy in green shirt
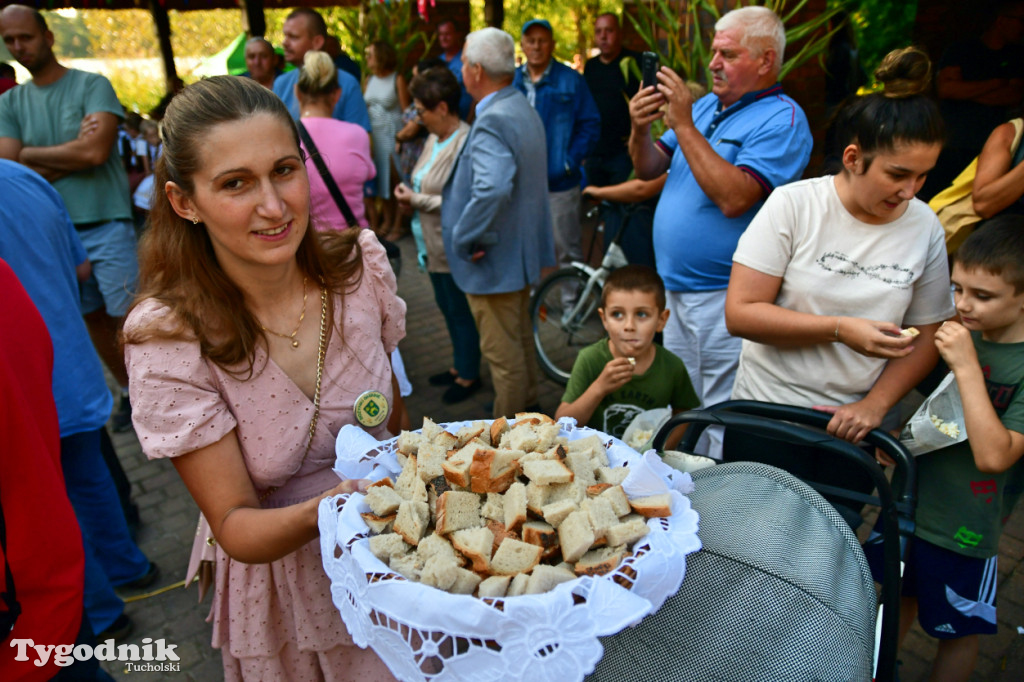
[617,378]
[967,490]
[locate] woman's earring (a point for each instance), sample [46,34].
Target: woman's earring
[195,220]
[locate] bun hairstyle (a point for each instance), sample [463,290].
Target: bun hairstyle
[904,73]
[318,76]
[902,112]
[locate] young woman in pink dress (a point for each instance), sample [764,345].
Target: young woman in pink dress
[248,347]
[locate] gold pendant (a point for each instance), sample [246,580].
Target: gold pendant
[295,343]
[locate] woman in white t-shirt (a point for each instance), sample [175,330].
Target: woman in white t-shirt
[831,269]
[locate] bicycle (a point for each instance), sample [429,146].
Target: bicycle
[561,328]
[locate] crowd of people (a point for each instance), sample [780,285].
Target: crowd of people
[247,315]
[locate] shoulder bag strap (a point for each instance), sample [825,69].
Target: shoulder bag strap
[1017,149]
[9,597]
[328,179]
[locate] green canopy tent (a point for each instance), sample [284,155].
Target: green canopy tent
[230,60]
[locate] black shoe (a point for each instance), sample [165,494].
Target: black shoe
[147,579]
[444,378]
[121,420]
[456,393]
[118,630]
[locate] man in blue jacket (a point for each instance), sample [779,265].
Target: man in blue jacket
[572,123]
[495,222]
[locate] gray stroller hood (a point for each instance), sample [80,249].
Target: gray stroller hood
[779,591]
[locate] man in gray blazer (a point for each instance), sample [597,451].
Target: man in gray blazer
[495,217]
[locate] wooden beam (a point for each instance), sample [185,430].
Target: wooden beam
[163,33]
[255,21]
[494,13]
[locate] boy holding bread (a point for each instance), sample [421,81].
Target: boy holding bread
[619,377]
[967,490]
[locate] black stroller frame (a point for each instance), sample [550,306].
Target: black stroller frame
[897,499]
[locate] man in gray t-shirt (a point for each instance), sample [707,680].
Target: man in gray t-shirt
[63,124]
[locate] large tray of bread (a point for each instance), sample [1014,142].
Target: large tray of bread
[501,549]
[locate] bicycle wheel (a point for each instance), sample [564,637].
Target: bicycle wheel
[563,322]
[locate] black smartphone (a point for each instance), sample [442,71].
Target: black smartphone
[649,64]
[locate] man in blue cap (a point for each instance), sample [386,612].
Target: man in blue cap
[572,123]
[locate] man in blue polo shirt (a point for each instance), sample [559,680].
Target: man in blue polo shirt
[724,153]
[305,30]
[572,125]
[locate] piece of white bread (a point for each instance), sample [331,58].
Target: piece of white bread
[412,521]
[544,578]
[430,460]
[631,529]
[582,467]
[446,440]
[494,587]
[547,472]
[469,433]
[409,484]
[466,582]
[514,506]
[408,565]
[601,513]
[499,427]
[533,417]
[378,524]
[409,442]
[494,507]
[556,512]
[543,535]
[575,535]
[435,545]
[388,545]
[493,471]
[515,556]
[910,331]
[456,466]
[382,500]
[518,585]
[430,429]
[475,544]
[536,497]
[439,572]
[456,510]
[600,561]
[614,476]
[500,534]
[652,505]
[617,497]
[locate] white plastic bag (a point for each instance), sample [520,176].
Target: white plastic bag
[640,433]
[938,422]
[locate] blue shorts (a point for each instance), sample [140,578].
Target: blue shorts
[956,594]
[112,250]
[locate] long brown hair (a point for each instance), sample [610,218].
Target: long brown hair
[177,264]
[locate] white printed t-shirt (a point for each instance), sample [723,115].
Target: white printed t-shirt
[833,264]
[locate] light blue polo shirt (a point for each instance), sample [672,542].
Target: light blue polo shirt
[765,134]
[39,242]
[351,107]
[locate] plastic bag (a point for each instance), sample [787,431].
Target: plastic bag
[938,422]
[640,433]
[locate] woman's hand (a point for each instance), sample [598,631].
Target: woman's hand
[352,485]
[873,339]
[853,422]
[955,346]
[403,194]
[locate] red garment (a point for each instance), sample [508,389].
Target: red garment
[44,543]
[6,84]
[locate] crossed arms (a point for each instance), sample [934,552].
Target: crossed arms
[89,149]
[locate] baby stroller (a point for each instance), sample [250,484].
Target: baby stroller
[780,589]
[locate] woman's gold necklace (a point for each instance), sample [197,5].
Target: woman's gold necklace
[302,316]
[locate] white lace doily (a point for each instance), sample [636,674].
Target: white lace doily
[426,634]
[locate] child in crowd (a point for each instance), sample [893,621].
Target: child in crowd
[967,490]
[617,378]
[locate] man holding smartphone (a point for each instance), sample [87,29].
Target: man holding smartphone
[725,153]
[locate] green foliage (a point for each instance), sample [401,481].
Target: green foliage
[682,32]
[70,35]
[393,23]
[879,26]
[571,20]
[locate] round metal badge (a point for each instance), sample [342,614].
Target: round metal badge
[371,408]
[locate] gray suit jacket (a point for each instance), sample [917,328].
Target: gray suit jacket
[496,200]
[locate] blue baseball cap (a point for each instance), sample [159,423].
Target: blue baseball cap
[536,22]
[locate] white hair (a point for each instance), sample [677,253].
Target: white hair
[762,30]
[494,50]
